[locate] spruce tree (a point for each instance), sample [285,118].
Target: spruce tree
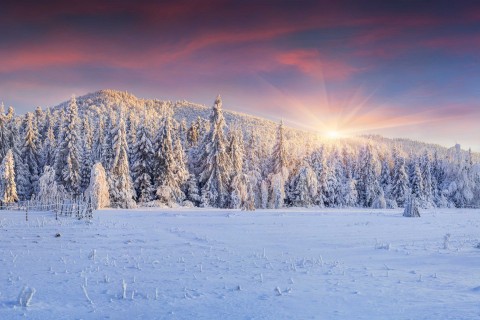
[49,147]
[304,187]
[193,133]
[4,134]
[8,188]
[319,166]
[253,169]
[417,183]
[142,166]
[30,158]
[426,173]
[86,159]
[122,193]
[238,186]
[171,174]
[279,175]
[400,190]
[367,185]
[214,162]
[385,178]
[67,160]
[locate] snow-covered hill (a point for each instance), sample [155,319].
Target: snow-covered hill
[189,111]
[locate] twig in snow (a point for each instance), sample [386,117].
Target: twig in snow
[86,295]
[124,288]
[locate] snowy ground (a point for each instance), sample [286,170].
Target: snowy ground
[216,264]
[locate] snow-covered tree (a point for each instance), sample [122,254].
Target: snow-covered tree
[367,185]
[239,180]
[107,143]
[462,182]
[214,162]
[400,189]
[334,177]
[417,183]
[319,166]
[4,132]
[426,173]
[411,207]
[386,177]
[172,173]
[142,166]
[67,159]
[193,133]
[349,192]
[49,147]
[253,170]
[122,193]
[49,190]
[30,158]
[8,187]
[192,192]
[98,190]
[304,187]
[86,159]
[132,135]
[264,194]
[279,175]
[98,141]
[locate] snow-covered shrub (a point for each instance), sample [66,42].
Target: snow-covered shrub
[391,204]
[98,191]
[264,193]
[49,190]
[411,208]
[278,190]
[379,202]
[25,296]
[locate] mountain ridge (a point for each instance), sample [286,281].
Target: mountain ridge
[189,111]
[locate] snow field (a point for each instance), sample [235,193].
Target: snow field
[225,264]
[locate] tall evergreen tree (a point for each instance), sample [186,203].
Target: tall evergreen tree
[4,134]
[122,193]
[239,181]
[171,174]
[400,190]
[426,173]
[367,180]
[319,166]
[67,160]
[279,175]
[8,188]
[385,177]
[193,133]
[417,183]
[214,162]
[30,158]
[49,147]
[304,187]
[142,166]
[86,159]
[253,168]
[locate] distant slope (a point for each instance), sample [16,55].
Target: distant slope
[265,128]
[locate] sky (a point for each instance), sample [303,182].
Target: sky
[400,68]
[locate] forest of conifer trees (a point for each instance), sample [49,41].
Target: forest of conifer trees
[123,157]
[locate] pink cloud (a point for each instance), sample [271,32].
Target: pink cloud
[311,63]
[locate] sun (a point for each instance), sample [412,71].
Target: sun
[333,134]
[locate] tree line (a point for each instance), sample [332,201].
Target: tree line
[118,157]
